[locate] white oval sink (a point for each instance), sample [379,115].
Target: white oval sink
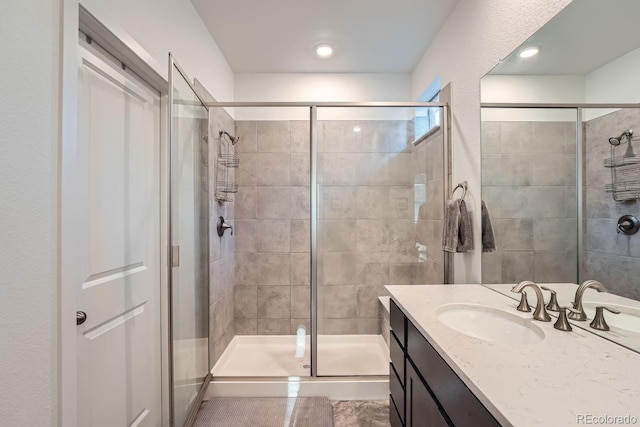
[489,324]
[628,319]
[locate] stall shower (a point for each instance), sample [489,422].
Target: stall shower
[378,221]
[286,224]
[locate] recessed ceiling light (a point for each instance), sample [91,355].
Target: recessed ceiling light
[324,50]
[529,52]
[356,129]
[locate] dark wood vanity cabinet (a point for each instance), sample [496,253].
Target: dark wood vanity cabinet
[421,409]
[424,390]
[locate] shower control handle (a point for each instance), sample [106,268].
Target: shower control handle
[628,224]
[222,226]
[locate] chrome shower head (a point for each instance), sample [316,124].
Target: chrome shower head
[617,140]
[234,139]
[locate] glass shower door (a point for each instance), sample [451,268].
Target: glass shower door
[379,221]
[189,280]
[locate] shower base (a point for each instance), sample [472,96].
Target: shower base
[289,355]
[349,367]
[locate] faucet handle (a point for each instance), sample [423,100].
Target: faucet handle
[524,304]
[553,301]
[598,320]
[562,324]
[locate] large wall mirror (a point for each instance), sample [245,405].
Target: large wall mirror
[561,162]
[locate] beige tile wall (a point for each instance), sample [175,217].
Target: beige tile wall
[272,227]
[528,184]
[367,225]
[222,251]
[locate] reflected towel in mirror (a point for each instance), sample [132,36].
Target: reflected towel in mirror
[488,238]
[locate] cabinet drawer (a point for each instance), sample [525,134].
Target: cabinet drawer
[421,409]
[397,357]
[394,417]
[398,323]
[397,392]
[462,407]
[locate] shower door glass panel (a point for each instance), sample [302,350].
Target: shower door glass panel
[189,233]
[380,210]
[272,247]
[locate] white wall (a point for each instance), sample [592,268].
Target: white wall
[153,28]
[310,87]
[474,38]
[28,191]
[531,89]
[616,81]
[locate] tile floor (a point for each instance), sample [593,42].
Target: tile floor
[360,413]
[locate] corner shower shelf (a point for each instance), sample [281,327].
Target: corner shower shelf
[625,176]
[225,165]
[618,161]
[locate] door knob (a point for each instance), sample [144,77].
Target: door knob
[81,317]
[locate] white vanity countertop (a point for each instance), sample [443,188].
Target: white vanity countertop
[566,293]
[549,383]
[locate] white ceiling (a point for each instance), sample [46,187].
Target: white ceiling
[279,36]
[584,36]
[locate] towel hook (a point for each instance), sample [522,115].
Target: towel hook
[462,185]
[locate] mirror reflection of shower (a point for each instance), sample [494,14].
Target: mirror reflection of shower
[617,140]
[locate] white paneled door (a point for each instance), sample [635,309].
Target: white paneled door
[119,343]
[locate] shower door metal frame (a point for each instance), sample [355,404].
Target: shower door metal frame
[313,167]
[173,65]
[579,108]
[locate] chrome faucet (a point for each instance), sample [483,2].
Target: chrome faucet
[579,314]
[540,313]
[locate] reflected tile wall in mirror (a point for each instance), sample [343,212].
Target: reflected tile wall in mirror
[581,61]
[528,184]
[608,256]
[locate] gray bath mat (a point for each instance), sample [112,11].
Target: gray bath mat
[265,412]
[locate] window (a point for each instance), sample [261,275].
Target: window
[426,118]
